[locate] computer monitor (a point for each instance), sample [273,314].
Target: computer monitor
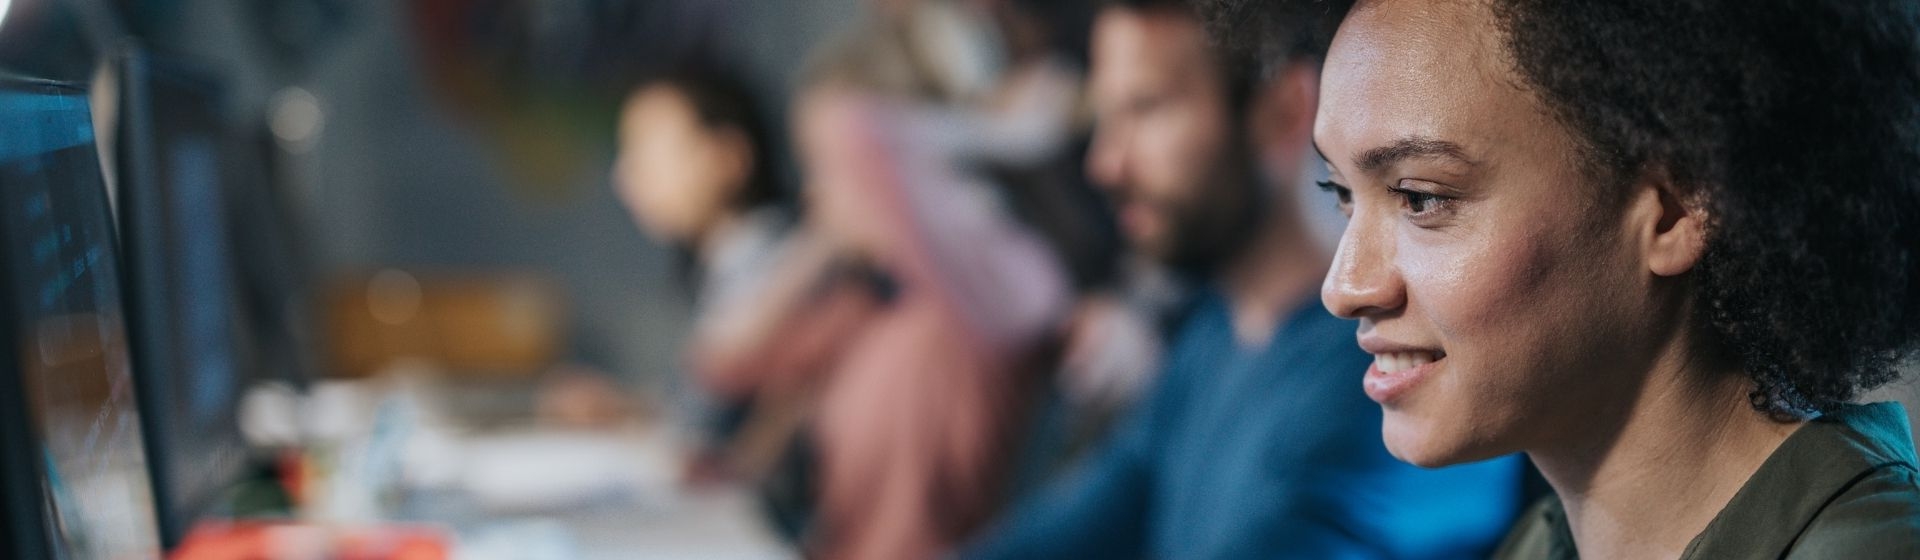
[73,473]
[272,245]
[177,166]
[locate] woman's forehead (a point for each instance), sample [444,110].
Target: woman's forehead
[1430,71]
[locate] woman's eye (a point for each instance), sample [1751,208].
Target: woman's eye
[1343,194]
[1420,203]
[1417,202]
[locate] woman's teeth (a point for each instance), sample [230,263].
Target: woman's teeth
[1398,361]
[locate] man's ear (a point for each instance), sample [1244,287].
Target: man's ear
[1674,223]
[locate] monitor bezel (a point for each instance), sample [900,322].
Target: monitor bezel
[145,238]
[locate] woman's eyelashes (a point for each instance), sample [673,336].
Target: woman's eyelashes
[1416,202]
[1342,194]
[1423,206]
[1420,205]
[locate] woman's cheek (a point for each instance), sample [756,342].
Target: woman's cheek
[1477,288]
[1481,298]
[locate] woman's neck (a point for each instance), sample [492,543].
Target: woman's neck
[1683,449]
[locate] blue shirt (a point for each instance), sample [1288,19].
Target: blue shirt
[1269,452]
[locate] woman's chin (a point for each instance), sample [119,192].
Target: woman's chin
[1415,441]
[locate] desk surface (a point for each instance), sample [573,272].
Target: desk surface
[718,525]
[401,453]
[535,494]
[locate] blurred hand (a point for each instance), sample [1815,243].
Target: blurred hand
[1112,353]
[576,396]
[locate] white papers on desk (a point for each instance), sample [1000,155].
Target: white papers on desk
[535,471]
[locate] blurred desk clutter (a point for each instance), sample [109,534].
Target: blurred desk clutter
[510,454]
[391,451]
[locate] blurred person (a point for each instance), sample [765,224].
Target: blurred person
[916,315]
[919,423]
[1660,246]
[1029,135]
[1018,127]
[694,172]
[1017,124]
[1253,443]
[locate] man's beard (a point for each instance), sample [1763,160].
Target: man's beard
[1210,230]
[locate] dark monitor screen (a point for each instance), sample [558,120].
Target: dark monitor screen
[75,482]
[176,165]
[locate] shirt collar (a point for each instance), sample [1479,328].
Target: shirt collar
[1812,467]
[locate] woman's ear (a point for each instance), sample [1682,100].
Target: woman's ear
[1677,235]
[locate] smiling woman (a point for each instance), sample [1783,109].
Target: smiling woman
[1658,245]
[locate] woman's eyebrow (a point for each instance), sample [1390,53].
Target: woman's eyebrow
[1410,147]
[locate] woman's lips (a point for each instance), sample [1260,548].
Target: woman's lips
[1393,374]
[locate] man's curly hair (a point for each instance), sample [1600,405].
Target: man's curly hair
[1796,122]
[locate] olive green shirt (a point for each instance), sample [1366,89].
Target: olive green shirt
[1842,486]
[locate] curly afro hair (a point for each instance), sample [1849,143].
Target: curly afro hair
[1796,122]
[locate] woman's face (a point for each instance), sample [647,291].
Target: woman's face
[674,174]
[1504,297]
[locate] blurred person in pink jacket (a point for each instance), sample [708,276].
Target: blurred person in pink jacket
[918,428]
[910,323]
